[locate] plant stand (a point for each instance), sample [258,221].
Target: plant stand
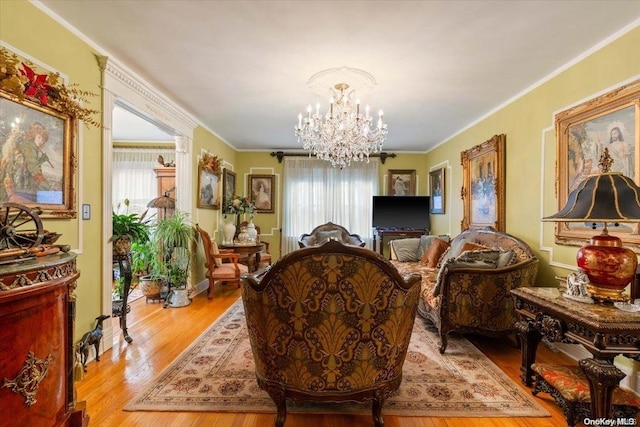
[124,263]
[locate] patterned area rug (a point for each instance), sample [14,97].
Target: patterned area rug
[216,373]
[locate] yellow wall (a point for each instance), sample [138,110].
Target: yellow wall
[28,29]
[529,128]
[528,124]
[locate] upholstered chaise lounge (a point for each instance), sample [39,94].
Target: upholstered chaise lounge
[467,289]
[330,323]
[327,231]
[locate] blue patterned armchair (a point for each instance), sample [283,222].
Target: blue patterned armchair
[330,323]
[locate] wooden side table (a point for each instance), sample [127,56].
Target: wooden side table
[602,329]
[252,250]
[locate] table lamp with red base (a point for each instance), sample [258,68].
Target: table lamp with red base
[607,197]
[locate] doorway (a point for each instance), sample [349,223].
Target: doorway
[124,90]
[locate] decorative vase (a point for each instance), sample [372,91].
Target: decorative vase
[229,231]
[252,233]
[243,236]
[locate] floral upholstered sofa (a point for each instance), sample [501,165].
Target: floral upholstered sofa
[466,282]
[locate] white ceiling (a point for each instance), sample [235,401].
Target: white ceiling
[241,67]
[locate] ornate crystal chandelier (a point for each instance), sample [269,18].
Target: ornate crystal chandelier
[345,134]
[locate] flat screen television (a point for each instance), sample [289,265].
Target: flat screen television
[402,212]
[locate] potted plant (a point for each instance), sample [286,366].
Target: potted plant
[127,229]
[148,264]
[176,236]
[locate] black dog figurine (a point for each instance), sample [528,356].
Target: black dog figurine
[91,338]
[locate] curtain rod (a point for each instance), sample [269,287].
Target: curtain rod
[281,155]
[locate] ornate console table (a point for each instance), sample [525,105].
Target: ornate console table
[37,315]
[603,330]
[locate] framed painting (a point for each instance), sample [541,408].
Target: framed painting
[483,185]
[401,182]
[262,192]
[583,132]
[228,184]
[437,191]
[208,188]
[38,158]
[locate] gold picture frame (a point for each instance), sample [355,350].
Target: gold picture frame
[209,188]
[611,120]
[228,184]
[39,171]
[483,190]
[401,182]
[261,189]
[437,191]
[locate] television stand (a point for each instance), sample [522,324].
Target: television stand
[396,233]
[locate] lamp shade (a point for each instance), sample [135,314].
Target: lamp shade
[605,197]
[162,202]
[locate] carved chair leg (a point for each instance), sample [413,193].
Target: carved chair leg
[279,398]
[376,411]
[443,342]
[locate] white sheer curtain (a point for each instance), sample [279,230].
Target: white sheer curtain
[134,178]
[315,193]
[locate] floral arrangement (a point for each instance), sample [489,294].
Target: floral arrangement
[211,163]
[19,79]
[237,205]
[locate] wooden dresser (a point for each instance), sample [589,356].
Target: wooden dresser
[37,313]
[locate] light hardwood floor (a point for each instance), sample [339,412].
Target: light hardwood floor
[160,335]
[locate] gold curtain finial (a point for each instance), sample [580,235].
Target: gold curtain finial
[605,161]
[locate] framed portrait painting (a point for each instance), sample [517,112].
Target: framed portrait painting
[436,191]
[609,121]
[38,158]
[401,182]
[262,192]
[483,185]
[228,184]
[208,188]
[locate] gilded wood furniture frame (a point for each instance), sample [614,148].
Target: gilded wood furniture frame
[582,133]
[483,185]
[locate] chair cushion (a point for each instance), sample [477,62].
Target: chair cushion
[434,252]
[572,384]
[228,271]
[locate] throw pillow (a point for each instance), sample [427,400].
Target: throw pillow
[432,255]
[486,256]
[324,236]
[406,250]
[506,258]
[472,246]
[455,249]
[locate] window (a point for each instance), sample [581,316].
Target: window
[316,193]
[134,178]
